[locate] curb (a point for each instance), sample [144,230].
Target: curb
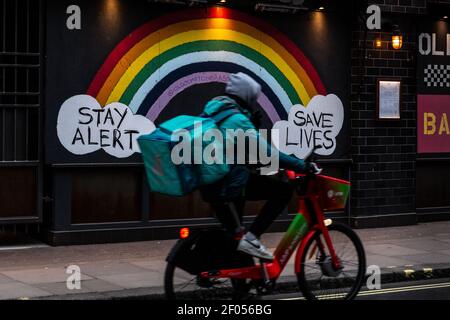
[286,284]
[412,273]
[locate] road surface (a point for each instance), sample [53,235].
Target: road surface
[436,289]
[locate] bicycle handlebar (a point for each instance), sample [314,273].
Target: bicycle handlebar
[311,158]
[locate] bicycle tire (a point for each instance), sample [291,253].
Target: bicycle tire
[305,285]
[168,281]
[179,269]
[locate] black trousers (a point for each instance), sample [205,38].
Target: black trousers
[277,193]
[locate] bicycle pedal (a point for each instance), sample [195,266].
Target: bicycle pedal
[265,288]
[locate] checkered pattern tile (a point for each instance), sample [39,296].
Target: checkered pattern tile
[437,76]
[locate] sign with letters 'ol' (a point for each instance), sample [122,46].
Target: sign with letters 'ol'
[433,89]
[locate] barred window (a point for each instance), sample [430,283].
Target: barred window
[20,87]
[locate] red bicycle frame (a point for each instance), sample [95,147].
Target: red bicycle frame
[322,193]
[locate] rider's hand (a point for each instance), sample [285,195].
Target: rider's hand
[314,168]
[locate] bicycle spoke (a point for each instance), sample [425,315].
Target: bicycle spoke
[349,263]
[313,267]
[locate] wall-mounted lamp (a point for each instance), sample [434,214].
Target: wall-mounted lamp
[378,43]
[397,38]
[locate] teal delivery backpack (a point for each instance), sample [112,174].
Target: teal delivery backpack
[166,177]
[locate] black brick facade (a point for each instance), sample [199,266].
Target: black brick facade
[384,152]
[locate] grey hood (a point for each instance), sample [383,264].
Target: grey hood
[244,87]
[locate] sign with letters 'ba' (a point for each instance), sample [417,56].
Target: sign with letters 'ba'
[433,89]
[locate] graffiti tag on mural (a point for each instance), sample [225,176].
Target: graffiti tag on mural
[84,126]
[313,127]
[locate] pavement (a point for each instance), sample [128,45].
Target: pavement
[136,269]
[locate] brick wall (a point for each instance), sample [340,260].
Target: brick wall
[447,2]
[402,6]
[384,152]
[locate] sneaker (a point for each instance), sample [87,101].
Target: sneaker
[252,246]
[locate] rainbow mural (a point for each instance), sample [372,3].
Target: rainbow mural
[169,54]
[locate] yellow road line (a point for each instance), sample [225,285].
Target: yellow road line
[405,289]
[388,290]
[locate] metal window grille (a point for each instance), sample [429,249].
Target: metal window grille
[20,110]
[20,80]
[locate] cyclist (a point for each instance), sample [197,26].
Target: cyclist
[242,183]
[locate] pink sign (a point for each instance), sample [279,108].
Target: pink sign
[433,130]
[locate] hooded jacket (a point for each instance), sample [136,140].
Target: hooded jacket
[246,90]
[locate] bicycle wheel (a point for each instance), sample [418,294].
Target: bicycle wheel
[318,279]
[207,251]
[181,285]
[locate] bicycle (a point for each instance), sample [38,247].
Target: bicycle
[330,261]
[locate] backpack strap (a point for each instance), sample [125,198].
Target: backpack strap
[223,115]
[227,109]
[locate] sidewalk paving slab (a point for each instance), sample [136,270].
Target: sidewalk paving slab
[426,244]
[17,290]
[135,280]
[95,269]
[374,259]
[4,279]
[41,275]
[390,250]
[426,258]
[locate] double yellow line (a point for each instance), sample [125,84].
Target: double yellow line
[405,289]
[384,291]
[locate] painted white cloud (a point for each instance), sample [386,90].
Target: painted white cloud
[313,127]
[84,127]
